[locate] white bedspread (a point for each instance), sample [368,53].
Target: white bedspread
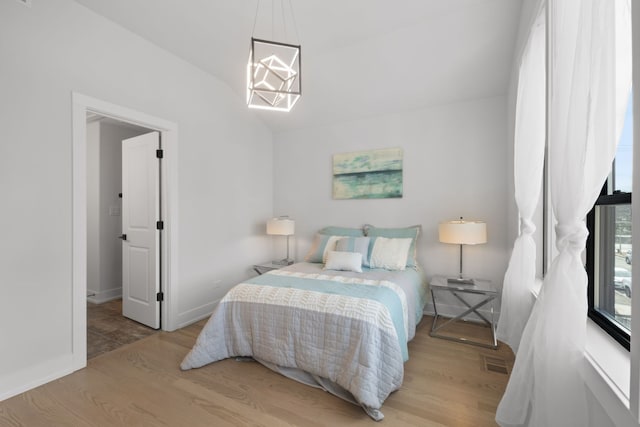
[341,331]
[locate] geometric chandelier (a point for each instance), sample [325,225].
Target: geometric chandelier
[273,69]
[273,75]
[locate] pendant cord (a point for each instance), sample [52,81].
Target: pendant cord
[295,26]
[255,19]
[284,21]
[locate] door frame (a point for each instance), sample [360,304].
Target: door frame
[81,104]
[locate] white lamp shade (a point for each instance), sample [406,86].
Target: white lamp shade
[282,226]
[463,232]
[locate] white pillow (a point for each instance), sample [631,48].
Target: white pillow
[389,253]
[344,261]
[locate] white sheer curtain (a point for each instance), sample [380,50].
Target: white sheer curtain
[529,138]
[546,386]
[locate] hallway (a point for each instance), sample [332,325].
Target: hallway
[108,329]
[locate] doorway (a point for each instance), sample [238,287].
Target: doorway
[82,105]
[108,327]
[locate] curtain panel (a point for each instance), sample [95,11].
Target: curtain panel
[529,145]
[546,386]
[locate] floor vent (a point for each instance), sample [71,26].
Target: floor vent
[494,364]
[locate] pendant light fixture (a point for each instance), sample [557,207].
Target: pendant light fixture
[273,69]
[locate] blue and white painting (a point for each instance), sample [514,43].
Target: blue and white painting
[374,174]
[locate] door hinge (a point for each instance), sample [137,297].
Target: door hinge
[160,296]
[160,153]
[160,225]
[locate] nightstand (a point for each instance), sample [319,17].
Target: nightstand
[266,266]
[486,296]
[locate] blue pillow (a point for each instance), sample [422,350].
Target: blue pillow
[355,244]
[320,247]
[342,231]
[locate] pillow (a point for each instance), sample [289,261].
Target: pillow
[322,244]
[355,244]
[405,232]
[344,261]
[342,231]
[389,253]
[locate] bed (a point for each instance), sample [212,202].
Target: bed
[345,330]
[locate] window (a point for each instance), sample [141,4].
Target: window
[609,251]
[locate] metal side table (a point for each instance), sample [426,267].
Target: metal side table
[266,267]
[484,288]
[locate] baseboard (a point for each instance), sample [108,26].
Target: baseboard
[96,297]
[34,376]
[196,314]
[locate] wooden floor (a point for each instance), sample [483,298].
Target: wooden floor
[140,384]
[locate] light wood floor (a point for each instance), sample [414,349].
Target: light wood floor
[140,384]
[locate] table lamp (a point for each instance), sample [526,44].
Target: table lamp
[461,232]
[282,226]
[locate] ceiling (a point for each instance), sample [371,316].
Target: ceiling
[360,58]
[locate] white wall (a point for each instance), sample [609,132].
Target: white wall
[455,165]
[224,173]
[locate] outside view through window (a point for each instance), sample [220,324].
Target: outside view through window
[615,288]
[622,271]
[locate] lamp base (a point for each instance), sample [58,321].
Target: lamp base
[285,261]
[460,281]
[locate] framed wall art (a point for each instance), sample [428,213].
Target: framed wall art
[373,174]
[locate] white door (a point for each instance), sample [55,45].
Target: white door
[140,234]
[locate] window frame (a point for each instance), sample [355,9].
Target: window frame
[603,321]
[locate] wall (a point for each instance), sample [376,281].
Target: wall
[224,173]
[104,221]
[454,165]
